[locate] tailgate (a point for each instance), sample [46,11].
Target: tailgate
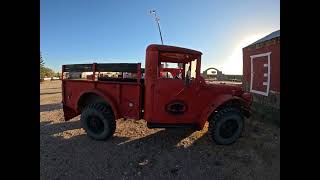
[69,110]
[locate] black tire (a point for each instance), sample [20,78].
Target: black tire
[226,126]
[98,121]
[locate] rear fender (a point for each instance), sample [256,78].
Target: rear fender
[69,113]
[108,99]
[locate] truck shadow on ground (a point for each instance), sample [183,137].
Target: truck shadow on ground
[152,156]
[50,107]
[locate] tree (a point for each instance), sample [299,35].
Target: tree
[42,68]
[45,71]
[48,72]
[58,74]
[41,61]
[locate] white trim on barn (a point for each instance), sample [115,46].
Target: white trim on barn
[259,92]
[274,92]
[260,55]
[252,73]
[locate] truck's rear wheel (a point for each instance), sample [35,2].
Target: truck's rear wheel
[98,121]
[226,126]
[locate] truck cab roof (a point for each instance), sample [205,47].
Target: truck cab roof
[167,48]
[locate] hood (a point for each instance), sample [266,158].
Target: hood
[228,88]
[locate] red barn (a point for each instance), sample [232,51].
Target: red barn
[261,73]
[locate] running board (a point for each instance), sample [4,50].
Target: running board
[162,125]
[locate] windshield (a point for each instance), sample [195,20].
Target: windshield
[177,65]
[166,75]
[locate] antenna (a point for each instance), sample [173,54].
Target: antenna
[157,19]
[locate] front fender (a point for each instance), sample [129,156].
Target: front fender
[217,102]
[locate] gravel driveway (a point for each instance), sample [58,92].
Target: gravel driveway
[136,152]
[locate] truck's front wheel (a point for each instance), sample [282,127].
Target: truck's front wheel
[226,126]
[98,121]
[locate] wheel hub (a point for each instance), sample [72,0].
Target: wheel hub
[228,128]
[95,124]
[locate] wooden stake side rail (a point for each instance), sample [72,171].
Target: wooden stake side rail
[104,67]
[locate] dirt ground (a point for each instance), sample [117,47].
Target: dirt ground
[136,152]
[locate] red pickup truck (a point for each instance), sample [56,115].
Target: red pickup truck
[162,101]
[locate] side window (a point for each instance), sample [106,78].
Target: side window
[190,69]
[193,68]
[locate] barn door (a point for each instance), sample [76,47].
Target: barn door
[260,73]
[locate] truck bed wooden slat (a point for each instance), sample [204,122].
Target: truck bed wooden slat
[106,67]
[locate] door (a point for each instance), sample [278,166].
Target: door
[174,101]
[260,73]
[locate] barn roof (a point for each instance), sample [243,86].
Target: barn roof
[268,37]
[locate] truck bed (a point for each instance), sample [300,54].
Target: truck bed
[223,82]
[124,95]
[108,79]
[120,93]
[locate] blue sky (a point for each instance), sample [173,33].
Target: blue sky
[83,31]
